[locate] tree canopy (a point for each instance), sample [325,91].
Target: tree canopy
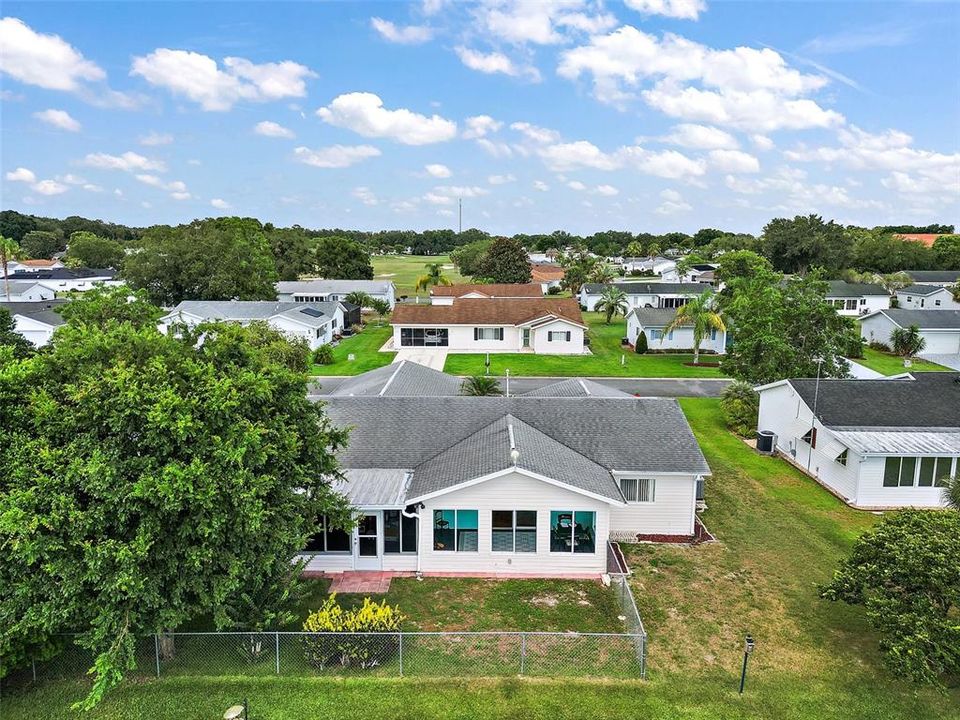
[506,261]
[89,250]
[342,259]
[468,257]
[149,479]
[806,242]
[42,244]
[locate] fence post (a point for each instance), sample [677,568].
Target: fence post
[156,650]
[401,653]
[523,652]
[643,656]
[277,637]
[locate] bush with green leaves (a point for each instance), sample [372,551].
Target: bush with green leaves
[323,355]
[908,341]
[740,404]
[481,385]
[351,637]
[906,575]
[641,346]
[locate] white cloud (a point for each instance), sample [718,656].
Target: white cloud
[432,7]
[666,163]
[180,195]
[673,203]
[335,156]
[49,187]
[467,191]
[409,35]
[495,148]
[733,161]
[21,174]
[364,114]
[437,199]
[58,118]
[680,9]
[128,161]
[437,170]
[535,133]
[762,142]
[606,190]
[47,61]
[479,126]
[543,22]
[701,137]
[268,128]
[540,185]
[495,62]
[220,204]
[797,193]
[576,185]
[365,195]
[152,139]
[199,78]
[567,156]
[501,179]
[176,188]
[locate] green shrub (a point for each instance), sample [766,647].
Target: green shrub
[553,290]
[360,650]
[641,345]
[740,405]
[854,346]
[323,355]
[877,345]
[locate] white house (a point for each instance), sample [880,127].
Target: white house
[656,265]
[446,294]
[24,266]
[702,273]
[25,291]
[548,275]
[313,291]
[316,323]
[36,321]
[853,299]
[939,328]
[943,278]
[644,294]
[61,279]
[876,443]
[523,486]
[926,297]
[550,326]
[653,321]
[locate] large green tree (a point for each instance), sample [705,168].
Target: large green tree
[339,258]
[101,306]
[291,250]
[93,251]
[42,244]
[806,242]
[578,265]
[215,259]
[506,261]
[149,479]
[946,249]
[468,257]
[905,572]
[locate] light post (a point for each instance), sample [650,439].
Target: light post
[748,645]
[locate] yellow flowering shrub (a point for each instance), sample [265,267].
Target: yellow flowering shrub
[353,636]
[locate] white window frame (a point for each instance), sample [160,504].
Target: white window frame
[639,490]
[479,332]
[514,527]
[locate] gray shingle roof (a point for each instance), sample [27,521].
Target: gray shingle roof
[250,310]
[922,276]
[488,451]
[925,319]
[929,400]
[842,288]
[638,434]
[577,387]
[42,311]
[920,290]
[333,286]
[402,379]
[654,317]
[648,288]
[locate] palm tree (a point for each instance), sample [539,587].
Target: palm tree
[892,282]
[481,385]
[951,492]
[433,276]
[634,249]
[701,313]
[381,307]
[907,341]
[602,274]
[359,298]
[613,301]
[653,250]
[9,250]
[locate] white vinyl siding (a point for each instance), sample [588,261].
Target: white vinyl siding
[488,333]
[670,511]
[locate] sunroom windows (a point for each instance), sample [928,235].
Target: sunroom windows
[456,530]
[919,472]
[573,531]
[328,539]
[514,531]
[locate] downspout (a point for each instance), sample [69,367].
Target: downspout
[416,515]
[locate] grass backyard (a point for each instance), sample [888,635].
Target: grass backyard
[404,270]
[604,362]
[365,346]
[890,364]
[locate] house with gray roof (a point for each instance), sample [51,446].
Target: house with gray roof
[943,278]
[644,294]
[940,329]
[853,299]
[35,320]
[527,485]
[653,322]
[316,323]
[312,291]
[401,379]
[877,444]
[25,291]
[926,297]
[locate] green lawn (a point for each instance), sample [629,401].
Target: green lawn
[404,270]
[604,362]
[365,346]
[890,364]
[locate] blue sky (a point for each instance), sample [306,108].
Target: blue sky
[646,115]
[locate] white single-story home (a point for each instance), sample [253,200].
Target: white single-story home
[878,444]
[926,297]
[446,294]
[316,323]
[61,279]
[36,321]
[853,299]
[943,278]
[656,265]
[548,275]
[702,273]
[25,291]
[653,321]
[644,294]
[548,326]
[24,266]
[314,291]
[523,485]
[939,328]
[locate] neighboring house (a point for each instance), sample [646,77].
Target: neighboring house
[400,379]
[876,443]
[531,486]
[656,265]
[24,266]
[704,273]
[445,294]
[25,291]
[926,297]
[549,276]
[644,294]
[939,328]
[36,321]
[854,299]
[549,326]
[653,321]
[927,239]
[316,323]
[61,279]
[943,278]
[312,291]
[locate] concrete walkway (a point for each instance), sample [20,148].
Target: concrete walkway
[431,357]
[862,372]
[950,361]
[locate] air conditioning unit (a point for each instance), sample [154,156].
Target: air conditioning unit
[766,442]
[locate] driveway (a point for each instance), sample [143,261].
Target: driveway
[431,357]
[950,361]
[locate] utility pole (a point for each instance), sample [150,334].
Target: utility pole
[460,213]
